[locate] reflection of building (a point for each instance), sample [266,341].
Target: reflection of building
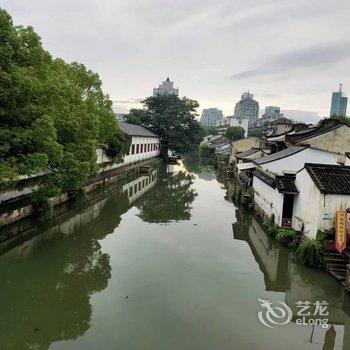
[166,88]
[211,116]
[298,282]
[247,107]
[66,266]
[339,103]
[138,187]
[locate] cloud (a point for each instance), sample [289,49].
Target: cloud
[309,58]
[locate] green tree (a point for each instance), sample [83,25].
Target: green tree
[172,118]
[209,130]
[53,115]
[256,133]
[235,133]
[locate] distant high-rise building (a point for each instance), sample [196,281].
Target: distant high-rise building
[247,107]
[166,88]
[273,112]
[211,116]
[339,103]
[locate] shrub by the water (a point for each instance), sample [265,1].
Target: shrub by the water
[288,237]
[310,253]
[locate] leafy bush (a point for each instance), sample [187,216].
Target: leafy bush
[205,151]
[270,227]
[310,253]
[288,237]
[41,198]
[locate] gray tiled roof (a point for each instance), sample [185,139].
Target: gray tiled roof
[136,130]
[248,153]
[279,155]
[330,179]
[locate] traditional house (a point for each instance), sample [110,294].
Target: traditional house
[248,156]
[220,143]
[274,178]
[243,145]
[331,135]
[323,190]
[144,145]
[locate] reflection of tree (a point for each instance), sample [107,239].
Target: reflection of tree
[45,295]
[170,200]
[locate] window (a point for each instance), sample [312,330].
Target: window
[137,148]
[141,148]
[130,191]
[132,149]
[145,148]
[149,146]
[139,185]
[135,188]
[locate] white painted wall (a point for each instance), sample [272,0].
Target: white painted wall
[311,206]
[268,199]
[296,162]
[131,158]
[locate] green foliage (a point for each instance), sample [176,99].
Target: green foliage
[40,198]
[288,237]
[172,118]
[270,227]
[235,133]
[209,130]
[256,133]
[326,234]
[206,151]
[53,115]
[310,253]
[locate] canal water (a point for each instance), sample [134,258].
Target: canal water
[162,262]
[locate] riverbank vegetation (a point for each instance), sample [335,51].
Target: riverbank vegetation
[53,115]
[173,119]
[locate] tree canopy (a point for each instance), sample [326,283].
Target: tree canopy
[53,115]
[235,133]
[173,119]
[209,130]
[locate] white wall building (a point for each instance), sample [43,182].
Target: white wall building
[144,145]
[323,190]
[276,191]
[224,123]
[166,88]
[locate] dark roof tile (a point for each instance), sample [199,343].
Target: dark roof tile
[136,130]
[330,179]
[279,155]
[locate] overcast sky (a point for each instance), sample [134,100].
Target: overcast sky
[292,54]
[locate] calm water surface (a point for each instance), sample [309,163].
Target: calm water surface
[159,262]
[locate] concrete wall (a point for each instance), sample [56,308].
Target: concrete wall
[337,140]
[268,199]
[244,145]
[296,162]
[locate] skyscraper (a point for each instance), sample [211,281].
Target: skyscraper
[166,88]
[339,103]
[211,116]
[247,107]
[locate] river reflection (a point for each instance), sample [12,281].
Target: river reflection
[160,261]
[298,283]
